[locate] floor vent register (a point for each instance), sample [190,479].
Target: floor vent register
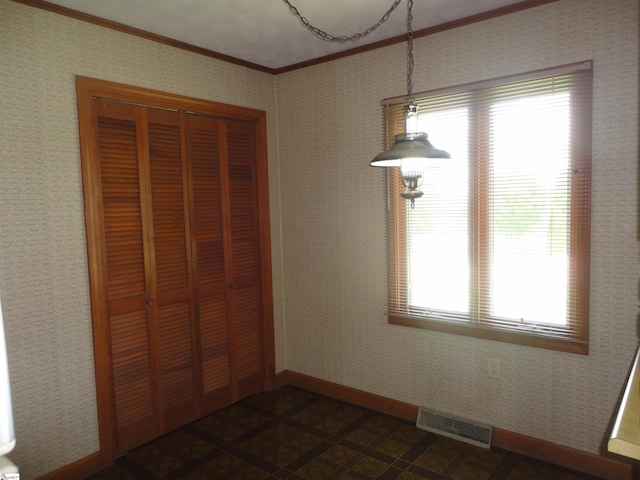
[457,428]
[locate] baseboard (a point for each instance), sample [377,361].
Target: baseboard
[78,469]
[579,460]
[532,447]
[351,395]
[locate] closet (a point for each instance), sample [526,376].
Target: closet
[177,235]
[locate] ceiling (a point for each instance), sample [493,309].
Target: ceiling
[266,33]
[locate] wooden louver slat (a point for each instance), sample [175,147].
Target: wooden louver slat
[244,253]
[117,150]
[248,333]
[177,362]
[203,144]
[205,167]
[168,207]
[122,223]
[131,369]
[241,191]
[175,310]
[214,343]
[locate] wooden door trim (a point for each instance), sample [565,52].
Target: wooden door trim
[264,228]
[87,89]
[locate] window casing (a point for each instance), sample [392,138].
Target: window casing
[498,247]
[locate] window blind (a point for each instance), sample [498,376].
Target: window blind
[498,246]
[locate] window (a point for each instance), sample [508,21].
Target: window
[498,246]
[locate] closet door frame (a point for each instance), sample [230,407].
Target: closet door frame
[87,89]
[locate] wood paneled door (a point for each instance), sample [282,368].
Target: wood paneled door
[176,209]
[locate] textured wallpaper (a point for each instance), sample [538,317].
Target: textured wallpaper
[334,233]
[43,264]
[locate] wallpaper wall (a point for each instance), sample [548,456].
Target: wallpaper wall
[334,235]
[43,265]
[327,212]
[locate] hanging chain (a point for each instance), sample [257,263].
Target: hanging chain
[342,38]
[410,97]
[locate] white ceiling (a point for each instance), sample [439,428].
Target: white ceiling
[266,33]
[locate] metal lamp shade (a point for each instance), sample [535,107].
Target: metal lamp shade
[408,145]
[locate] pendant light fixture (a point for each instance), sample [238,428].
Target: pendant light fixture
[412,151]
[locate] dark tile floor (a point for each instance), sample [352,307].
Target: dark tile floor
[292,434]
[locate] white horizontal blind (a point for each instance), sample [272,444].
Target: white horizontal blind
[500,240]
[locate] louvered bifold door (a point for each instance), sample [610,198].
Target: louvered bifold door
[177,352]
[243,256]
[130,322]
[203,147]
[173,242]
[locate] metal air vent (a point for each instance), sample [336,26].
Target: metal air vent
[457,428]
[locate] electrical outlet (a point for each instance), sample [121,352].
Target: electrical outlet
[494,368]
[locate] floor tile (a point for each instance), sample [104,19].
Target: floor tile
[293,434]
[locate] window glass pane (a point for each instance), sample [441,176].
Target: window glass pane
[437,228]
[529,206]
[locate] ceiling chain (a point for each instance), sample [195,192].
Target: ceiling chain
[342,38]
[410,97]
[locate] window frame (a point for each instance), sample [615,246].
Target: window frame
[474,325]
